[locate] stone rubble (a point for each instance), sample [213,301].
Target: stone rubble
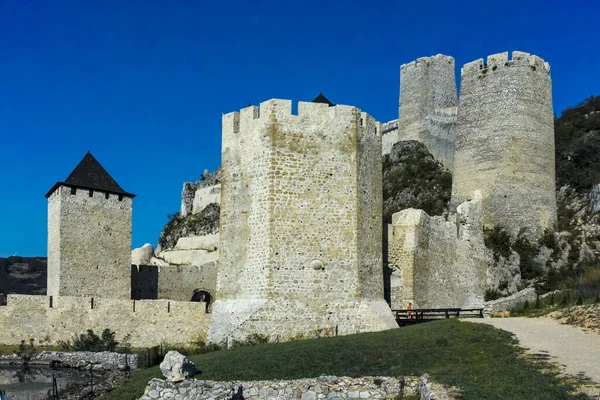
[176,367]
[105,360]
[323,387]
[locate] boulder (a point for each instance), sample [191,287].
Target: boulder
[159,262]
[176,367]
[207,242]
[142,255]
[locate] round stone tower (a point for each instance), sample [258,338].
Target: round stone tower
[505,142]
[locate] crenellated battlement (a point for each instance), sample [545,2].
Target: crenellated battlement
[426,61]
[501,60]
[280,110]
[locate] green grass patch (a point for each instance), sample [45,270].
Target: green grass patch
[481,360]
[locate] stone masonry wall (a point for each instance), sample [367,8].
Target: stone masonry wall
[51,319]
[323,387]
[173,282]
[389,136]
[300,226]
[505,141]
[89,244]
[428,101]
[437,263]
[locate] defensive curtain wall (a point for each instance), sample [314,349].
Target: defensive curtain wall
[437,262]
[300,223]
[172,282]
[428,101]
[49,319]
[505,141]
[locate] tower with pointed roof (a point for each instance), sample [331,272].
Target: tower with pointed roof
[89,234]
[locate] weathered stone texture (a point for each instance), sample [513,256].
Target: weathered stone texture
[428,105]
[300,223]
[505,141]
[51,319]
[437,262]
[323,387]
[187,198]
[206,195]
[172,282]
[389,136]
[89,243]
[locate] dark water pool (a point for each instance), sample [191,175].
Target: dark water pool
[24,383]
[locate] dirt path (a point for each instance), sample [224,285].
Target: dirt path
[576,350]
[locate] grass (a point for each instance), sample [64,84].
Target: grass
[482,360]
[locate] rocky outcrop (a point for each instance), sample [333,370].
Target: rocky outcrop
[195,196]
[412,178]
[205,222]
[176,367]
[142,255]
[323,387]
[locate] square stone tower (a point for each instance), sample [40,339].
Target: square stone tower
[301,223]
[89,234]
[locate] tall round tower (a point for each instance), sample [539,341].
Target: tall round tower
[505,141]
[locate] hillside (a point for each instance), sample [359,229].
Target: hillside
[23,275]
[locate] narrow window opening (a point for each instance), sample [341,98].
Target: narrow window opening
[91,193]
[92,302]
[168,306]
[50,301]
[134,306]
[120,197]
[106,195]
[73,190]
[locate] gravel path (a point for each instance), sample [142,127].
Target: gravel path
[577,350]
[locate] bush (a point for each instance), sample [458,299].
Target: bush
[491,294]
[90,341]
[551,300]
[527,251]
[497,239]
[579,300]
[566,300]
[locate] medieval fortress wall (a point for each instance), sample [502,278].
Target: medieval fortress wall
[428,105]
[435,261]
[505,141]
[82,225]
[300,223]
[50,319]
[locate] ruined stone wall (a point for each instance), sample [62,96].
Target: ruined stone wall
[300,225]
[505,141]
[437,262]
[55,318]
[428,101]
[89,243]
[206,195]
[389,136]
[187,198]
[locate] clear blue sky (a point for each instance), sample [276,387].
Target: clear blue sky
[143,84]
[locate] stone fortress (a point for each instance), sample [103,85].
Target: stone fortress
[302,249]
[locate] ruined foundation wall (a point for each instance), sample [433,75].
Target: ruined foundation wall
[89,243]
[505,141]
[293,223]
[55,318]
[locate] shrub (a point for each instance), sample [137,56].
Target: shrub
[579,300]
[491,294]
[90,341]
[566,299]
[497,239]
[527,251]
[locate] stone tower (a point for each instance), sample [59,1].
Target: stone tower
[428,102]
[89,234]
[301,223]
[505,141]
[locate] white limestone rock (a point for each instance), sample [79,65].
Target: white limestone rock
[189,257]
[206,242]
[142,255]
[159,262]
[176,367]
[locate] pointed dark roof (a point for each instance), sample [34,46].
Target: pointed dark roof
[322,99]
[89,174]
